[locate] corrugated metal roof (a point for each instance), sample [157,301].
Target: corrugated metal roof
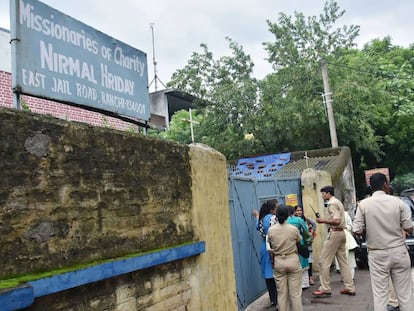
[261,166]
[318,159]
[318,163]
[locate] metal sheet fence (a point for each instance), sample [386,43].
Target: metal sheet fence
[246,195]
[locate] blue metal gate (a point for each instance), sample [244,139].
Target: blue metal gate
[246,195]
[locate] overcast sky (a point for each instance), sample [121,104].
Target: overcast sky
[181,26]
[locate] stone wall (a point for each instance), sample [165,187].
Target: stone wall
[72,193]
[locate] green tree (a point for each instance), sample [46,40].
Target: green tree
[361,108]
[228,97]
[291,97]
[394,66]
[303,41]
[403,181]
[180,129]
[372,94]
[372,91]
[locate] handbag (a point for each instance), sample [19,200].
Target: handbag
[303,250]
[307,237]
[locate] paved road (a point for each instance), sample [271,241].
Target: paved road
[337,302]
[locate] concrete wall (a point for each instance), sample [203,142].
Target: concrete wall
[346,185]
[159,109]
[312,181]
[5,51]
[71,193]
[211,219]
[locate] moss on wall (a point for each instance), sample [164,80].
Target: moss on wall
[72,194]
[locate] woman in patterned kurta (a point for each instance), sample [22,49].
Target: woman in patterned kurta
[264,220]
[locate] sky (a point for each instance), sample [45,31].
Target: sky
[179,27]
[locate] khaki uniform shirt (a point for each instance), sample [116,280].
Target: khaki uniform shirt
[283,238]
[336,211]
[383,217]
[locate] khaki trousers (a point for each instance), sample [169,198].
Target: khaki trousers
[288,276]
[391,263]
[392,297]
[334,246]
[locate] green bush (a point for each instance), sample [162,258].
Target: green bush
[402,182]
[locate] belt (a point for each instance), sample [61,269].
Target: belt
[384,249]
[284,255]
[336,229]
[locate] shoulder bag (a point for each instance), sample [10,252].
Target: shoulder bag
[303,250]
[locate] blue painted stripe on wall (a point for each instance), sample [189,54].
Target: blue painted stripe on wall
[100,272]
[16,298]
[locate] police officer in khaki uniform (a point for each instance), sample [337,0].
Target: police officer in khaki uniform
[282,239]
[335,245]
[384,219]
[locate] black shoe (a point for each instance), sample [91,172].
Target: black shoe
[391,308]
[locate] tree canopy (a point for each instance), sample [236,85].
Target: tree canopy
[373,94]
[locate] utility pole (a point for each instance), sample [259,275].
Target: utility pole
[154,62]
[328,101]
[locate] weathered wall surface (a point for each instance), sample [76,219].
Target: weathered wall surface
[347,191]
[71,193]
[312,181]
[211,219]
[165,287]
